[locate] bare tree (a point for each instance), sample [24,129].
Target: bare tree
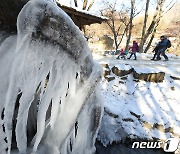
[144,26]
[155,21]
[150,41]
[75,3]
[90,5]
[85,7]
[161,11]
[130,24]
[88,34]
[149,33]
[118,22]
[85,4]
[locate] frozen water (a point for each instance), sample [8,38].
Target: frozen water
[49,82]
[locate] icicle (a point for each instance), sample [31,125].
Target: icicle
[21,136]
[53,68]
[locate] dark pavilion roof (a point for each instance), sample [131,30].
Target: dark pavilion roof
[82,18]
[9,10]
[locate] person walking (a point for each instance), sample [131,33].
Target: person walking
[121,52]
[163,45]
[134,49]
[156,49]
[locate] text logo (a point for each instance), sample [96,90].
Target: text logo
[149,145]
[171,145]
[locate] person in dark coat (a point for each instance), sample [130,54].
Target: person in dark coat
[162,48]
[156,49]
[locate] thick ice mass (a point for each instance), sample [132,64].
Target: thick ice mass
[49,82]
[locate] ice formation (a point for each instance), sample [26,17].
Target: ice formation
[48,85]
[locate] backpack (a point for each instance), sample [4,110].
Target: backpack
[168,45]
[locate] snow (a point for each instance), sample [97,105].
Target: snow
[139,109]
[146,70]
[49,63]
[91,13]
[79,9]
[144,63]
[123,67]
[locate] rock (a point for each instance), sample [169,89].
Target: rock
[169,130]
[106,69]
[147,125]
[160,127]
[128,120]
[136,80]
[121,82]
[175,78]
[149,77]
[124,78]
[105,65]
[106,72]
[136,115]
[109,78]
[120,73]
[111,114]
[173,88]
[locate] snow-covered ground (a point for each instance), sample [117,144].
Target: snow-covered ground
[139,109]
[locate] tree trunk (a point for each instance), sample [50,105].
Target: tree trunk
[75,3]
[156,18]
[122,36]
[130,24]
[154,30]
[144,27]
[150,42]
[116,42]
[90,5]
[85,4]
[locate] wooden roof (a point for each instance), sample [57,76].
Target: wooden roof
[81,18]
[9,10]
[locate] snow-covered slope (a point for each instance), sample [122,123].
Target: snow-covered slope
[137,109]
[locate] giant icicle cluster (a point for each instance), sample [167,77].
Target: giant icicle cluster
[48,85]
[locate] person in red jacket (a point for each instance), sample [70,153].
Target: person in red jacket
[121,52]
[134,49]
